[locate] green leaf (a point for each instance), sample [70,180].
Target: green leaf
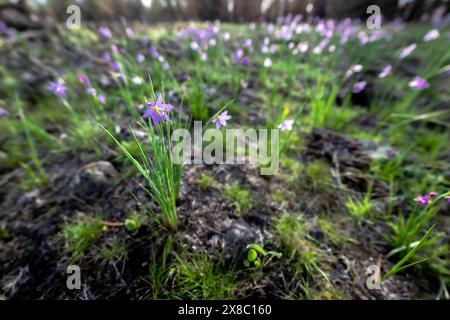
[258,248]
[252,255]
[131,225]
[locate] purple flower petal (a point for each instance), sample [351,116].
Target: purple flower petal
[359,86]
[422,200]
[221,120]
[3,112]
[386,71]
[419,83]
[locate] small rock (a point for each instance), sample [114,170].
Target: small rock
[382,153]
[94,179]
[239,235]
[29,196]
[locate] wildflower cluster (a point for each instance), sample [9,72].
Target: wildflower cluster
[426,200]
[90,90]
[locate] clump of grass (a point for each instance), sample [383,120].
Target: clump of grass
[196,99]
[332,233]
[279,197]
[291,169]
[36,174]
[80,235]
[84,134]
[205,180]
[406,229]
[112,253]
[160,268]
[305,258]
[318,172]
[198,277]
[414,248]
[162,175]
[240,198]
[132,148]
[359,209]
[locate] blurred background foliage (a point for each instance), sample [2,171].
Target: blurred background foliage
[230,10]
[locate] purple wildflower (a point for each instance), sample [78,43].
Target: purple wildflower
[247,43]
[386,71]
[58,88]
[115,66]
[418,83]
[245,61]
[101,99]
[407,50]
[166,66]
[212,42]
[267,62]
[286,125]
[273,48]
[154,53]
[432,194]
[303,47]
[195,46]
[357,68]
[114,48]
[3,112]
[84,80]
[105,32]
[270,29]
[91,91]
[129,32]
[140,58]
[221,120]
[422,200]
[8,32]
[226,36]
[119,77]
[203,56]
[145,41]
[431,35]
[237,55]
[157,111]
[317,50]
[353,69]
[137,80]
[106,57]
[359,86]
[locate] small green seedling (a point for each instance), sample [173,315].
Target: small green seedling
[205,180]
[4,234]
[255,255]
[132,225]
[240,198]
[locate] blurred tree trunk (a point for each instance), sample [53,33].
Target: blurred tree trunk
[298,7]
[247,10]
[275,10]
